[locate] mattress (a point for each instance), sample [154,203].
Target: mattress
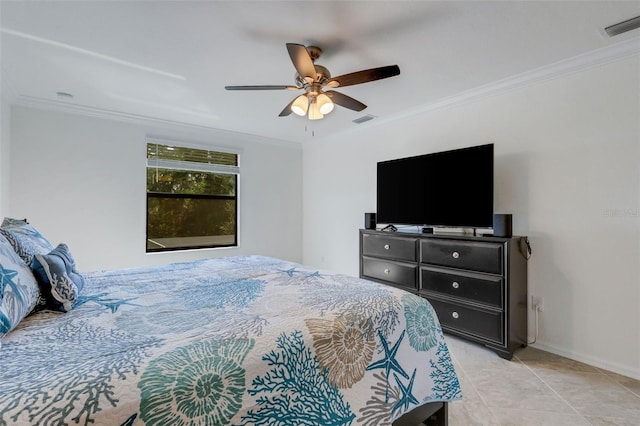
[247,340]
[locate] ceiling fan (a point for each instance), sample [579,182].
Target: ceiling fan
[314,78]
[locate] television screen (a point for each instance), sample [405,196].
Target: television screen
[451,188]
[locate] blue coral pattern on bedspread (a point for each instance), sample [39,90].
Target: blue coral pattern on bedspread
[246,340]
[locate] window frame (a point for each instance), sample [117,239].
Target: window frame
[205,167]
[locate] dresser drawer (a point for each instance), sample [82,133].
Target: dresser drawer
[392,272]
[471,255]
[481,323]
[389,247]
[478,288]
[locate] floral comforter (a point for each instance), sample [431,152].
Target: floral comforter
[244,340]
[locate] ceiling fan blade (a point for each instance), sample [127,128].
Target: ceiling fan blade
[265,87]
[302,61]
[364,76]
[287,110]
[345,101]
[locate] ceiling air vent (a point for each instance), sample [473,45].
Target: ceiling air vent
[623,27]
[364,118]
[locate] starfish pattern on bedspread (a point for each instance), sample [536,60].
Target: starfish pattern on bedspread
[389,362]
[101,299]
[407,393]
[241,341]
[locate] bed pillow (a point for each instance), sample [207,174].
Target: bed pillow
[19,291]
[60,282]
[24,238]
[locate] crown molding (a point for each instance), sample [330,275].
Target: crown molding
[595,58]
[147,121]
[575,64]
[8,91]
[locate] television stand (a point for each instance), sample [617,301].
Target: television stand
[477,285]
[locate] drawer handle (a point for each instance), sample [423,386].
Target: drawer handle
[387,246]
[455,284]
[387,271]
[455,315]
[455,255]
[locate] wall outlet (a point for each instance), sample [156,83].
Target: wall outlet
[537,301]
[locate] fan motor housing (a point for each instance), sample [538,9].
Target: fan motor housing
[322,75]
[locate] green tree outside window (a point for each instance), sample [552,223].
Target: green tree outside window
[191,198]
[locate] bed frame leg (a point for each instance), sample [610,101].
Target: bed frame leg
[431,414]
[440,417]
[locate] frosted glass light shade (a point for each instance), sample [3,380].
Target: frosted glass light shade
[314,112]
[325,105]
[300,105]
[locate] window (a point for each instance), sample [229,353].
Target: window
[192,198]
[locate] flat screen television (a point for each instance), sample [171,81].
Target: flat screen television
[449,189]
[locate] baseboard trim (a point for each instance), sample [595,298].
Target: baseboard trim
[624,370]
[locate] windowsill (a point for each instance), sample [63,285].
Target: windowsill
[182,250]
[164,245]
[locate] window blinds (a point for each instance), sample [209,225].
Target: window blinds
[183,158]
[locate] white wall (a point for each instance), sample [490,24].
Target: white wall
[566,165]
[5,140]
[82,181]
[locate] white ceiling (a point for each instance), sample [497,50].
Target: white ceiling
[170,60]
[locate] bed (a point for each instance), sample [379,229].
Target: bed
[247,340]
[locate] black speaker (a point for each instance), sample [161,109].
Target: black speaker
[502,225]
[369,221]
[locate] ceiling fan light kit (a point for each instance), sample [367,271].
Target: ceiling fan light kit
[314,111]
[325,105]
[300,105]
[313,78]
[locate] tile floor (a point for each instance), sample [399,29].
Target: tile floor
[538,388]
